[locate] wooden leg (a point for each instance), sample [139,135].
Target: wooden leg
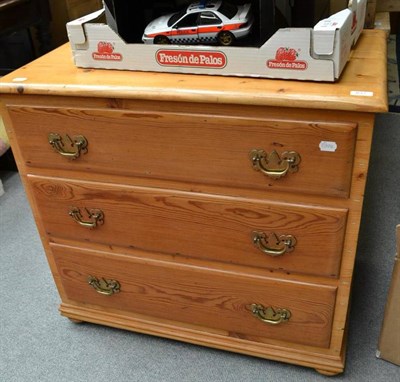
[75,321]
[327,373]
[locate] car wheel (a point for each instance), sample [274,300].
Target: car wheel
[226,38]
[161,40]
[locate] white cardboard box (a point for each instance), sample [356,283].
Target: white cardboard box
[318,54]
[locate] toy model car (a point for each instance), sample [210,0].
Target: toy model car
[204,22]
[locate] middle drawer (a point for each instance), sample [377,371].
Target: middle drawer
[290,238]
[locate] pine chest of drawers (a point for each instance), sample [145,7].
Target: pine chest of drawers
[218,211]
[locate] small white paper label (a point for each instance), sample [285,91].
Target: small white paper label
[361,93]
[19,79]
[328,146]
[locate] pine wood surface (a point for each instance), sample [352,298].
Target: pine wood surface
[185,224]
[53,181]
[354,203]
[183,140]
[199,296]
[365,72]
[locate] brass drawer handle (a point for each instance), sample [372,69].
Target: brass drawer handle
[104,286]
[273,245]
[96,217]
[270,315]
[72,149]
[273,165]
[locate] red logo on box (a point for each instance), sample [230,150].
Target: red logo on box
[191,58]
[105,51]
[286,58]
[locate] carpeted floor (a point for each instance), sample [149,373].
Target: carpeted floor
[38,345]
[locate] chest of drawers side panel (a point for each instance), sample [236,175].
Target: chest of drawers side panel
[355,203]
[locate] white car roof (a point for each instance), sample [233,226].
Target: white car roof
[210,5]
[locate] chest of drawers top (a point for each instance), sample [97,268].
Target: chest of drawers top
[362,86]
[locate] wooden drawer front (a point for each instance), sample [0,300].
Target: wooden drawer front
[203,226]
[191,148]
[200,296]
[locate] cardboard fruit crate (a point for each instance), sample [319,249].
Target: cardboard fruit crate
[316,54]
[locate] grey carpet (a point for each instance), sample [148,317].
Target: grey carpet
[37,344]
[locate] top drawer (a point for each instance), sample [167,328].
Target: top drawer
[199,148]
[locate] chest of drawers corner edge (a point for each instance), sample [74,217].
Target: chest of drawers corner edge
[201,212]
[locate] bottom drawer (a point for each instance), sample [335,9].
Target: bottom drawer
[233,302]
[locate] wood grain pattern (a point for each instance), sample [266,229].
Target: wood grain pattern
[175,146]
[210,227]
[333,358]
[203,297]
[114,99]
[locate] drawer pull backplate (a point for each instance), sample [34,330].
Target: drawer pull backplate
[69,147]
[270,315]
[96,217]
[104,286]
[274,245]
[274,165]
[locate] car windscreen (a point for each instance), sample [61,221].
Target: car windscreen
[228,10]
[175,17]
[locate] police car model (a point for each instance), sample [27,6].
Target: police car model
[204,22]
